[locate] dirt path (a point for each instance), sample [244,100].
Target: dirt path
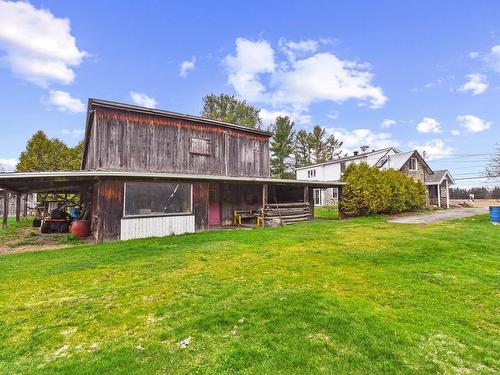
[440,215]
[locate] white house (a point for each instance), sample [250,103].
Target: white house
[411,163]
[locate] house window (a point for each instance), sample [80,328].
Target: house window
[311,173]
[413,164]
[342,167]
[200,146]
[157,198]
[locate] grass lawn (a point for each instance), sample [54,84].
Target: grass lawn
[356,297]
[326,212]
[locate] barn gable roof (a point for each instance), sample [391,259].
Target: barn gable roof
[100,103]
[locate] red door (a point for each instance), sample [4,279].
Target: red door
[214,204]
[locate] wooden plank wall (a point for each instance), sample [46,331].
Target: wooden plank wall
[200,205]
[156,226]
[109,210]
[121,140]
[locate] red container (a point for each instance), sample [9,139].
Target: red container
[80,228]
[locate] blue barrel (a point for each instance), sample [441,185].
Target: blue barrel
[495,214]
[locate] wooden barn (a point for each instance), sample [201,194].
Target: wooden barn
[148,172]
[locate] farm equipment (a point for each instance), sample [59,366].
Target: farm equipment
[57,221]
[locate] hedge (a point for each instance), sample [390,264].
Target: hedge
[369,191]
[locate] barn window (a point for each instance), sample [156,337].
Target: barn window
[200,146]
[413,164]
[157,198]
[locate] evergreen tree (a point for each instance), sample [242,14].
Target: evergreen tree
[323,148]
[229,109]
[282,147]
[302,149]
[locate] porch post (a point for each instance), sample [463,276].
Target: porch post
[18,207]
[339,203]
[264,202]
[5,208]
[25,208]
[447,195]
[439,194]
[306,194]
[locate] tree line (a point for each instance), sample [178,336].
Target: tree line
[478,192]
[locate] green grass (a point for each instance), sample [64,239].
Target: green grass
[326,212]
[355,297]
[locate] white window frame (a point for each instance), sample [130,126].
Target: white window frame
[125,216]
[320,197]
[311,173]
[416,165]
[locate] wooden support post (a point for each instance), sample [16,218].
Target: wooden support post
[25,208]
[264,202]
[5,208]
[306,194]
[18,207]
[340,205]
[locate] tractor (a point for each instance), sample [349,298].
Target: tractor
[57,221]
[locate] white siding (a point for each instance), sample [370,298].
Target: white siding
[144,227]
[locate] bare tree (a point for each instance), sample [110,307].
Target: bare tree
[493,168]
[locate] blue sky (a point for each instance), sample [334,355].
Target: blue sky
[412,74]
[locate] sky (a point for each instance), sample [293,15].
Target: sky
[414,75]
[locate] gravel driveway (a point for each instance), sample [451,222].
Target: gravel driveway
[440,215]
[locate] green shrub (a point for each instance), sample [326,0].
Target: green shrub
[370,190]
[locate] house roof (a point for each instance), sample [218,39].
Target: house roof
[438,177]
[397,161]
[25,182]
[352,157]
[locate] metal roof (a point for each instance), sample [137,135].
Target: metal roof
[352,157]
[72,180]
[438,177]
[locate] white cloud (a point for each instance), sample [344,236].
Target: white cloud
[474,55]
[455,132]
[333,115]
[473,124]
[186,66]
[77,133]
[8,165]
[143,100]
[250,60]
[387,123]
[64,102]
[355,138]
[294,49]
[428,125]
[38,46]
[477,83]
[493,58]
[257,77]
[268,117]
[434,149]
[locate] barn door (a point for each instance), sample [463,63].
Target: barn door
[214,205]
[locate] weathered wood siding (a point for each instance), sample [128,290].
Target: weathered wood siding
[156,226]
[200,205]
[109,210]
[121,140]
